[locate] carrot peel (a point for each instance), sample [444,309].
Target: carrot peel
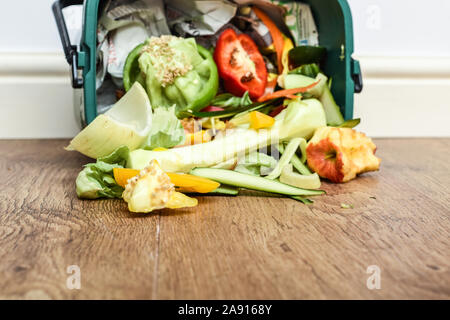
[286,92]
[275,33]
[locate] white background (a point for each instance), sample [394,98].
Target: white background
[381,27]
[403,47]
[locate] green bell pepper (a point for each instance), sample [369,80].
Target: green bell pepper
[210,87]
[186,77]
[131,71]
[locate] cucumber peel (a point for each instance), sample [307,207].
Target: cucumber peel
[332,110]
[296,161]
[302,199]
[226,190]
[350,123]
[247,181]
[300,166]
[288,176]
[285,158]
[321,91]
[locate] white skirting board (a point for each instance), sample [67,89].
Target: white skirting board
[402,96]
[36,96]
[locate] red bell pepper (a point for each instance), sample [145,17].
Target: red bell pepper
[240,64]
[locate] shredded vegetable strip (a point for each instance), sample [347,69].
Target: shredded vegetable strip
[275,33]
[286,92]
[286,157]
[292,96]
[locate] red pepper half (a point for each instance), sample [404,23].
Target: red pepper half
[240,64]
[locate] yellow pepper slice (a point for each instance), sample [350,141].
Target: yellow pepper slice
[151,189]
[121,175]
[288,45]
[180,200]
[190,183]
[271,77]
[185,182]
[259,120]
[214,124]
[197,137]
[256,119]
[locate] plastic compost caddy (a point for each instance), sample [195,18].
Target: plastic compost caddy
[334,23]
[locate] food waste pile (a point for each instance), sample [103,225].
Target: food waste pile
[211,97]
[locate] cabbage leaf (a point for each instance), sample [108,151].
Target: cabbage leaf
[166,131]
[96,180]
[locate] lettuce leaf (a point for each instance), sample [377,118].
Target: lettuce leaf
[118,156]
[96,180]
[166,132]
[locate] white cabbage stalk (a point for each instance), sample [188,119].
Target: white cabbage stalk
[127,123]
[299,119]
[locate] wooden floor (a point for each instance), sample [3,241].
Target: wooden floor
[249,247]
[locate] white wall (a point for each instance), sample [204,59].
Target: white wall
[28,30]
[381,27]
[401,27]
[400,88]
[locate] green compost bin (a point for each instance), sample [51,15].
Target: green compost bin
[334,23]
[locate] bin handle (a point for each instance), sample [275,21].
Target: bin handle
[70,51]
[357,76]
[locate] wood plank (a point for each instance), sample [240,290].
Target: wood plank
[233,248]
[44,228]
[271,248]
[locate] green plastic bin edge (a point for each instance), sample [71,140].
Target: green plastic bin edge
[339,64]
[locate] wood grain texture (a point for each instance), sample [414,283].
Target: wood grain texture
[249,247]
